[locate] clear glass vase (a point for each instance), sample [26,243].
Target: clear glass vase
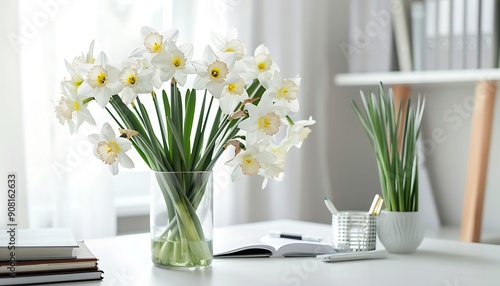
[181,219]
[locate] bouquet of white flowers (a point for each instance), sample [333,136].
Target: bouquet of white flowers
[245,103]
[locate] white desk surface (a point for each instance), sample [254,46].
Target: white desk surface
[126,261]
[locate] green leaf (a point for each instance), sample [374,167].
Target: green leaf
[189,120]
[397,164]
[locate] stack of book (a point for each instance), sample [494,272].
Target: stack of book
[36,256]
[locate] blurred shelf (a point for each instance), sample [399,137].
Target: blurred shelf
[414,78]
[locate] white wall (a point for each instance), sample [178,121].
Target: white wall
[352,164]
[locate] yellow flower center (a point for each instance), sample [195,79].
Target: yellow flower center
[177,62]
[78,82]
[263,62]
[282,92]
[101,79]
[154,43]
[269,123]
[236,88]
[132,79]
[97,77]
[229,50]
[217,71]
[249,165]
[113,147]
[108,151]
[76,106]
[129,77]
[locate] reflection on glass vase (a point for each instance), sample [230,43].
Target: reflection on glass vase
[181,219]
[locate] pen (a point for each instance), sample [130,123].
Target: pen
[293,236]
[331,207]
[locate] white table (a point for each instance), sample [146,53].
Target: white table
[126,261]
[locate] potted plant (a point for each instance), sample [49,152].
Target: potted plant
[393,132]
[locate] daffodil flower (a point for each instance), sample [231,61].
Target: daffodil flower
[101,81]
[284,91]
[87,58]
[73,69]
[249,162]
[262,64]
[111,149]
[212,72]
[229,44]
[235,91]
[135,82]
[264,119]
[76,78]
[71,110]
[154,42]
[298,132]
[175,62]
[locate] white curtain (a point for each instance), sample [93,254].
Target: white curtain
[297,35]
[68,187]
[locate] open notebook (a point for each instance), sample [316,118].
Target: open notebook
[254,241]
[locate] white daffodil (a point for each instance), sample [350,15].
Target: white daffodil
[76,78]
[154,42]
[229,44]
[71,110]
[101,80]
[212,72]
[111,149]
[298,132]
[135,82]
[264,119]
[235,91]
[73,69]
[87,58]
[175,62]
[262,64]
[284,91]
[249,162]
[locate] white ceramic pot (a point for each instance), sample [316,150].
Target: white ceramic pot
[400,232]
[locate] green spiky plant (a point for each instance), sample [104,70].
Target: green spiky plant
[393,135]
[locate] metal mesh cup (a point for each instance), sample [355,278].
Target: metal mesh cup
[354,231]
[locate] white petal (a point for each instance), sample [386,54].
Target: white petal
[200,82]
[180,77]
[215,89]
[86,116]
[247,125]
[218,40]
[209,55]
[229,59]
[125,160]
[113,168]
[237,174]
[128,95]
[265,157]
[187,50]
[102,59]
[200,67]
[94,138]
[145,31]
[107,132]
[123,143]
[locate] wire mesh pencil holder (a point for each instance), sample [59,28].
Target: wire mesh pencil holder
[354,231]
